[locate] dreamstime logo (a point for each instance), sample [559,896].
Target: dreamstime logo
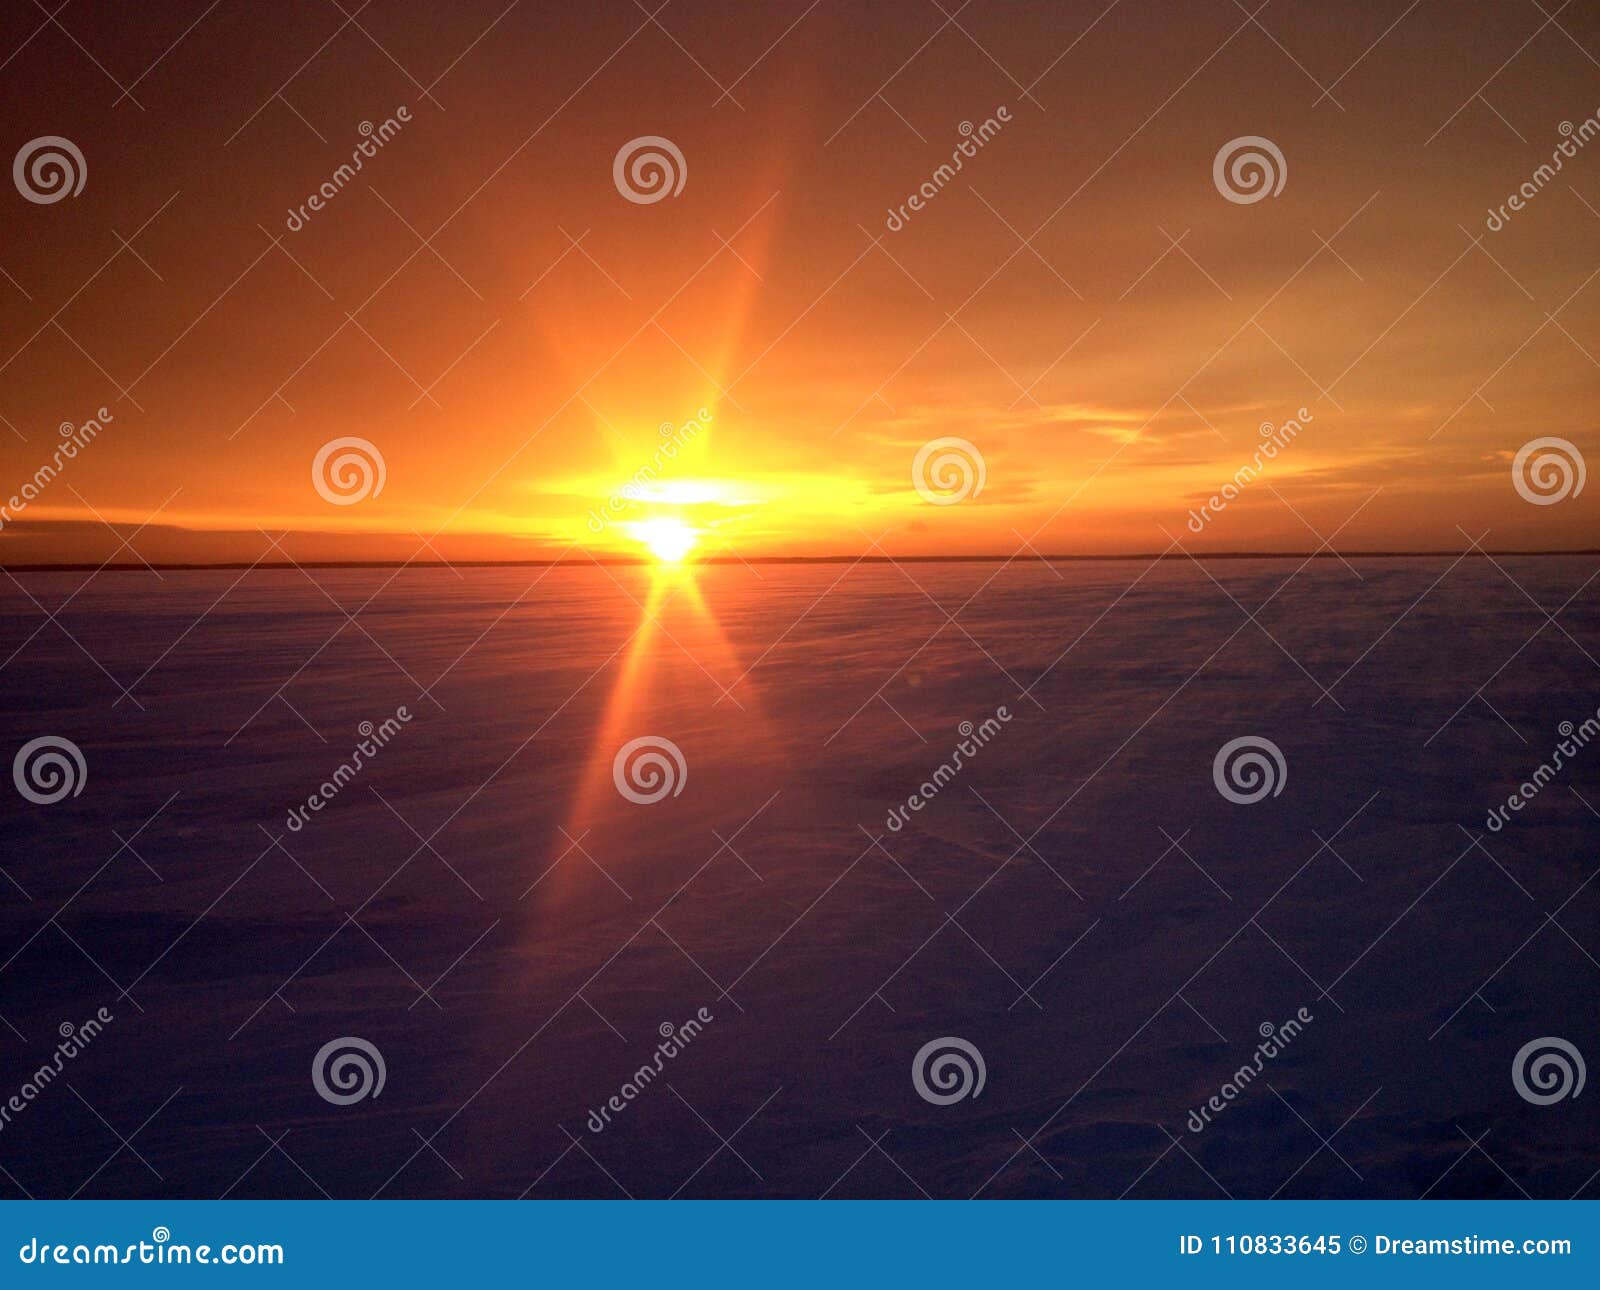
[1531,187]
[49,768]
[1273,440]
[674,1039]
[1573,740]
[1549,470]
[947,1070]
[649,768]
[1248,768]
[1274,1039]
[372,139]
[649,168]
[972,139]
[1547,1070]
[948,470]
[49,168]
[74,439]
[373,738]
[348,1069]
[973,738]
[74,1039]
[673,438]
[1249,168]
[348,470]
[160,1250]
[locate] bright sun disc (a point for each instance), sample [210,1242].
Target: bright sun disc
[668,540]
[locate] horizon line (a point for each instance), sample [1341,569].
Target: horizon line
[629,560]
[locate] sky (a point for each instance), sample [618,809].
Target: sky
[1093,328]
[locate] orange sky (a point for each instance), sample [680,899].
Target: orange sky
[511,381]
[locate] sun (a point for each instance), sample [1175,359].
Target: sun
[669,540]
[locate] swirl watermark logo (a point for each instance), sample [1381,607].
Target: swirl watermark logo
[348,470]
[49,768]
[348,1069]
[1546,1070]
[649,768]
[948,470]
[1249,168]
[649,168]
[49,168]
[947,1070]
[1548,470]
[1248,768]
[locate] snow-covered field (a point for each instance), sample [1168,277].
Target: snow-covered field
[1078,901]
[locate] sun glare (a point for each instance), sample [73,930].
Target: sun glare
[669,540]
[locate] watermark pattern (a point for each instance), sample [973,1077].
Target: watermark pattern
[49,168]
[649,768]
[1573,740]
[648,169]
[673,440]
[1249,168]
[373,738]
[373,139]
[1543,174]
[348,470]
[74,438]
[754,576]
[1274,439]
[347,1070]
[948,1069]
[973,738]
[1547,1070]
[1548,470]
[948,470]
[1274,1039]
[1248,768]
[674,1039]
[973,139]
[74,1039]
[49,768]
